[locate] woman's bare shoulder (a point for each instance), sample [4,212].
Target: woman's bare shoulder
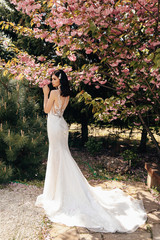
[53,94]
[55,90]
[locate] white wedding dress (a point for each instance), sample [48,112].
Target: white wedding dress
[67,196]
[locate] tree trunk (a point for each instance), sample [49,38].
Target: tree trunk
[84,130]
[142,146]
[147,129]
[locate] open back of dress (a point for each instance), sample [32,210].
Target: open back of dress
[60,105]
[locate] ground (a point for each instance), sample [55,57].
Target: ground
[21,220]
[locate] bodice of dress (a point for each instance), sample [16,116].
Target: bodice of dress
[59,107]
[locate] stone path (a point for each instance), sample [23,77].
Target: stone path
[21,220]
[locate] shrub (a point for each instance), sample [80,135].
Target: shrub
[93,145]
[5,173]
[131,157]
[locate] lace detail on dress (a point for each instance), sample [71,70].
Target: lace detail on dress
[58,109]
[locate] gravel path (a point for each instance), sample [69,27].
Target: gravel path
[19,218]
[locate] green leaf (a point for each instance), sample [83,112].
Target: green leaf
[92,26]
[158,50]
[151,56]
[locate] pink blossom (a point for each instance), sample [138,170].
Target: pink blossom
[149,30]
[41,58]
[89,74]
[88,50]
[41,84]
[61,9]
[108,11]
[126,71]
[78,21]
[157,119]
[13,71]
[68,69]
[94,68]
[154,44]
[153,82]
[137,124]
[130,96]
[147,60]
[114,118]
[123,102]
[136,87]
[80,33]
[116,63]
[102,82]
[86,81]
[142,48]
[105,46]
[122,55]
[73,33]
[72,57]
[50,70]
[58,53]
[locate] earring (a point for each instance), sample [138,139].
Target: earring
[59,87]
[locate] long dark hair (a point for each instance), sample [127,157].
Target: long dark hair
[65,89]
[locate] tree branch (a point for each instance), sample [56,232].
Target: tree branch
[4,85]
[146,127]
[104,86]
[146,9]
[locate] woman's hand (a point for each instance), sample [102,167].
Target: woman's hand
[46,90]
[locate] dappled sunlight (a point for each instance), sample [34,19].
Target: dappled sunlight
[123,134]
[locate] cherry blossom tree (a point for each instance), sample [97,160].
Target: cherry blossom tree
[118,42]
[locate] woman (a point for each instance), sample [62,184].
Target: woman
[67,196]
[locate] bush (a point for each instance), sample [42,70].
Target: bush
[93,145]
[5,173]
[131,157]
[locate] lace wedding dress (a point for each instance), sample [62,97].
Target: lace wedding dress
[67,196]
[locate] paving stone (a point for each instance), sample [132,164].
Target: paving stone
[128,236]
[156,231]
[82,230]
[154,217]
[58,229]
[94,236]
[64,233]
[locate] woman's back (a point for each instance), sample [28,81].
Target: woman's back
[60,103]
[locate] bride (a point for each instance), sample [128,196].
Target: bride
[67,196]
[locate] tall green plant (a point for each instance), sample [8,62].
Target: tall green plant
[23,137]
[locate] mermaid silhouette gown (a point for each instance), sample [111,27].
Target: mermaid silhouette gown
[67,196]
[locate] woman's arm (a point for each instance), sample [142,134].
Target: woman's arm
[48,102]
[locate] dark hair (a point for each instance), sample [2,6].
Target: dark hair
[65,89]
